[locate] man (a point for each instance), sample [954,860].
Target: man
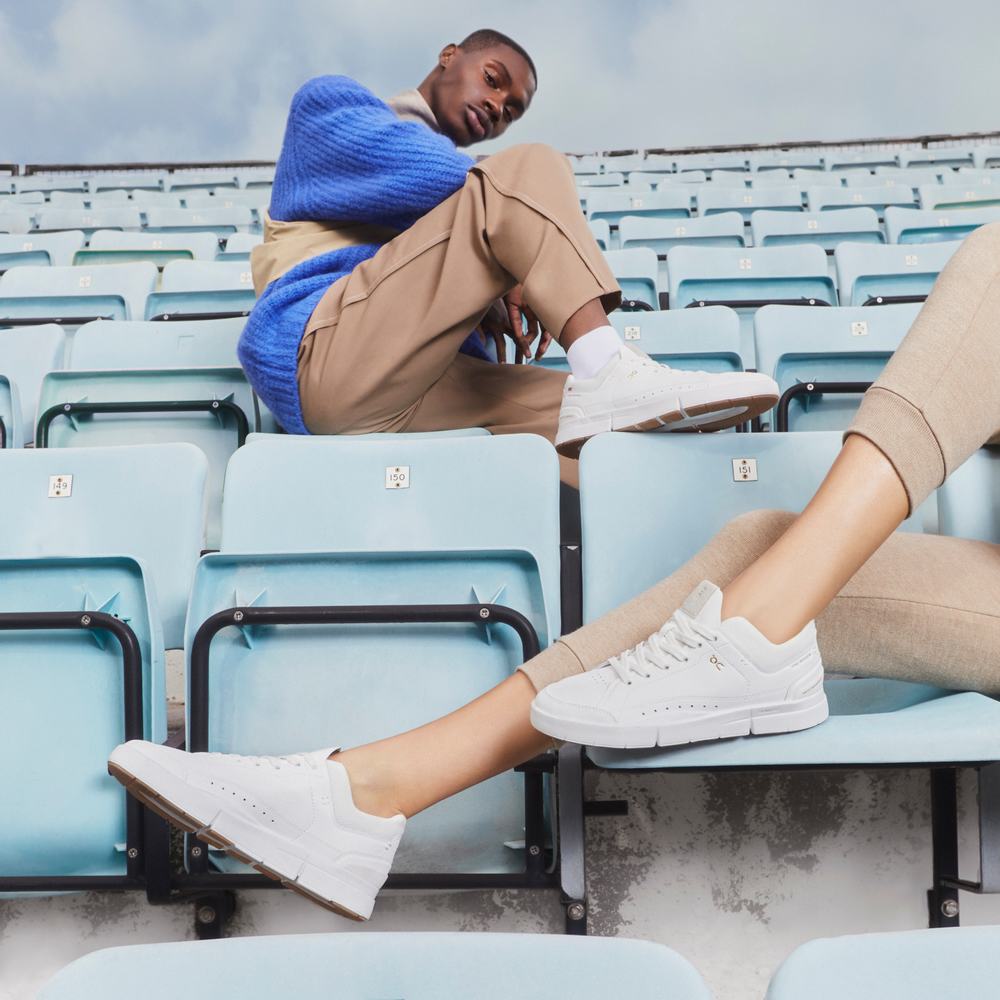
[385,247]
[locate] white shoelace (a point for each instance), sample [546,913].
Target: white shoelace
[293,760]
[671,643]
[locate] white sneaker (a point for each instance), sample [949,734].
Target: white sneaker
[292,818]
[634,393]
[698,678]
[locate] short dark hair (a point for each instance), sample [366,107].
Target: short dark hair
[487,38]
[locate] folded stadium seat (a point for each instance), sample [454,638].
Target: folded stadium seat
[227,198]
[825,229]
[69,199]
[625,164]
[711,200]
[688,177]
[916,225]
[25,198]
[184,181]
[587,165]
[104,541]
[958,195]
[107,246]
[26,354]
[43,249]
[748,278]
[723,229]
[914,176]
[824,359]
[731,178]
[824,199]
[160,199]
[667,203]
[600,180]
[202,290]
[776,178]
[635,271]
[239,245]
[255,177]
[152,383]
[883,275]
[89,219]
[971,176]
[873,723]
[221,221]
[706,339]
[601,232]
[375,523]
[137,181]
[986,157]
[786,160]
[115,196]
[903,965]
[940,157]
[46,185]
[14,220]
[73,295]
[871,158]
[418,966]
[712,161]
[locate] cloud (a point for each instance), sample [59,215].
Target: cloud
[100,80]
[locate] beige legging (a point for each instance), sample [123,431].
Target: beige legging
[923,607]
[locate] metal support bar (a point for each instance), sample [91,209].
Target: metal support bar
[813,389]
[892,300]
[754,303]
[3,434]
[190,316]
[942,897]
[570,833]
[89,621]
[60,320]
[989,828]
[152,406]
[635,305]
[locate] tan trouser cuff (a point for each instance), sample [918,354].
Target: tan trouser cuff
[898,429]
[551,665]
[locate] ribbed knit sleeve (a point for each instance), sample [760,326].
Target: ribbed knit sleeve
[346,156]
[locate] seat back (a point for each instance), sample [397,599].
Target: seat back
[201,288]
[144,345]
[14,220]
[636,271]
[57,247]
[938,196]
[165,246]
[826,229]
[668,203]
[868,274]
[90,219]
[914,225]
[26,354]
[876,197]
[797,346]
[724,229]
[711,199]
[221,221]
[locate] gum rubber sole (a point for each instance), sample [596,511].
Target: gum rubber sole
[183,821]
[751,406]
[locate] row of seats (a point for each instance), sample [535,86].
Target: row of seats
[981,156]
[361,531]
[63,248]
[217,197]
[220,220]
[914,965]
[151,180]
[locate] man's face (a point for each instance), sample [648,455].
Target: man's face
[478,95]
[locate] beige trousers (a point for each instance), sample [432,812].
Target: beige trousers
[380,351]
[923,607]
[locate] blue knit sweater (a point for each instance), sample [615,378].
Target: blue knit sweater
[346,157]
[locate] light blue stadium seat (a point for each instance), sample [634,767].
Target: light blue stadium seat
[124,217]
[585,166]
[137,387]
[159,199]
[636,272]
[914,176]
[880,275]
[748,278]
[799,347]
[221,221]
[724,229]
[986,157]
[978,195]
[666,203]
[826,229]
[40,249]
[975,177]
[253,198]
[823,199]
[255,177]
[731,179]
[712,161]
[588,181]
[967,501]
[689,177]
[601,231]
[902,965]
[916,225]
[37,182]
[775,178]
[14,219]
[75,295]
[835,160]
[201,289]
[239,246]
[940,157]
[78,543]
[70,199]
[786,160]
[23,198]
[418,966]
[190,180]
[108,246]
[323,523]
[711,200]
[26,354]
[132,181]
[703,339]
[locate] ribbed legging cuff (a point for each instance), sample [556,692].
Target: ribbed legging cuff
[898,429]
[552,664]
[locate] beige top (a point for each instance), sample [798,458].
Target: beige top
[289,243]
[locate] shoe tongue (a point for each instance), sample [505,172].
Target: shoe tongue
[704,602]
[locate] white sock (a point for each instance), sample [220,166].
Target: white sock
[588,355]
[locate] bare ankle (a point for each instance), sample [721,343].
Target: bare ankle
[369,789]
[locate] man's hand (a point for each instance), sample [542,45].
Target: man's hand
[505,317]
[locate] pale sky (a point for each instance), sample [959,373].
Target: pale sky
[101,80]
